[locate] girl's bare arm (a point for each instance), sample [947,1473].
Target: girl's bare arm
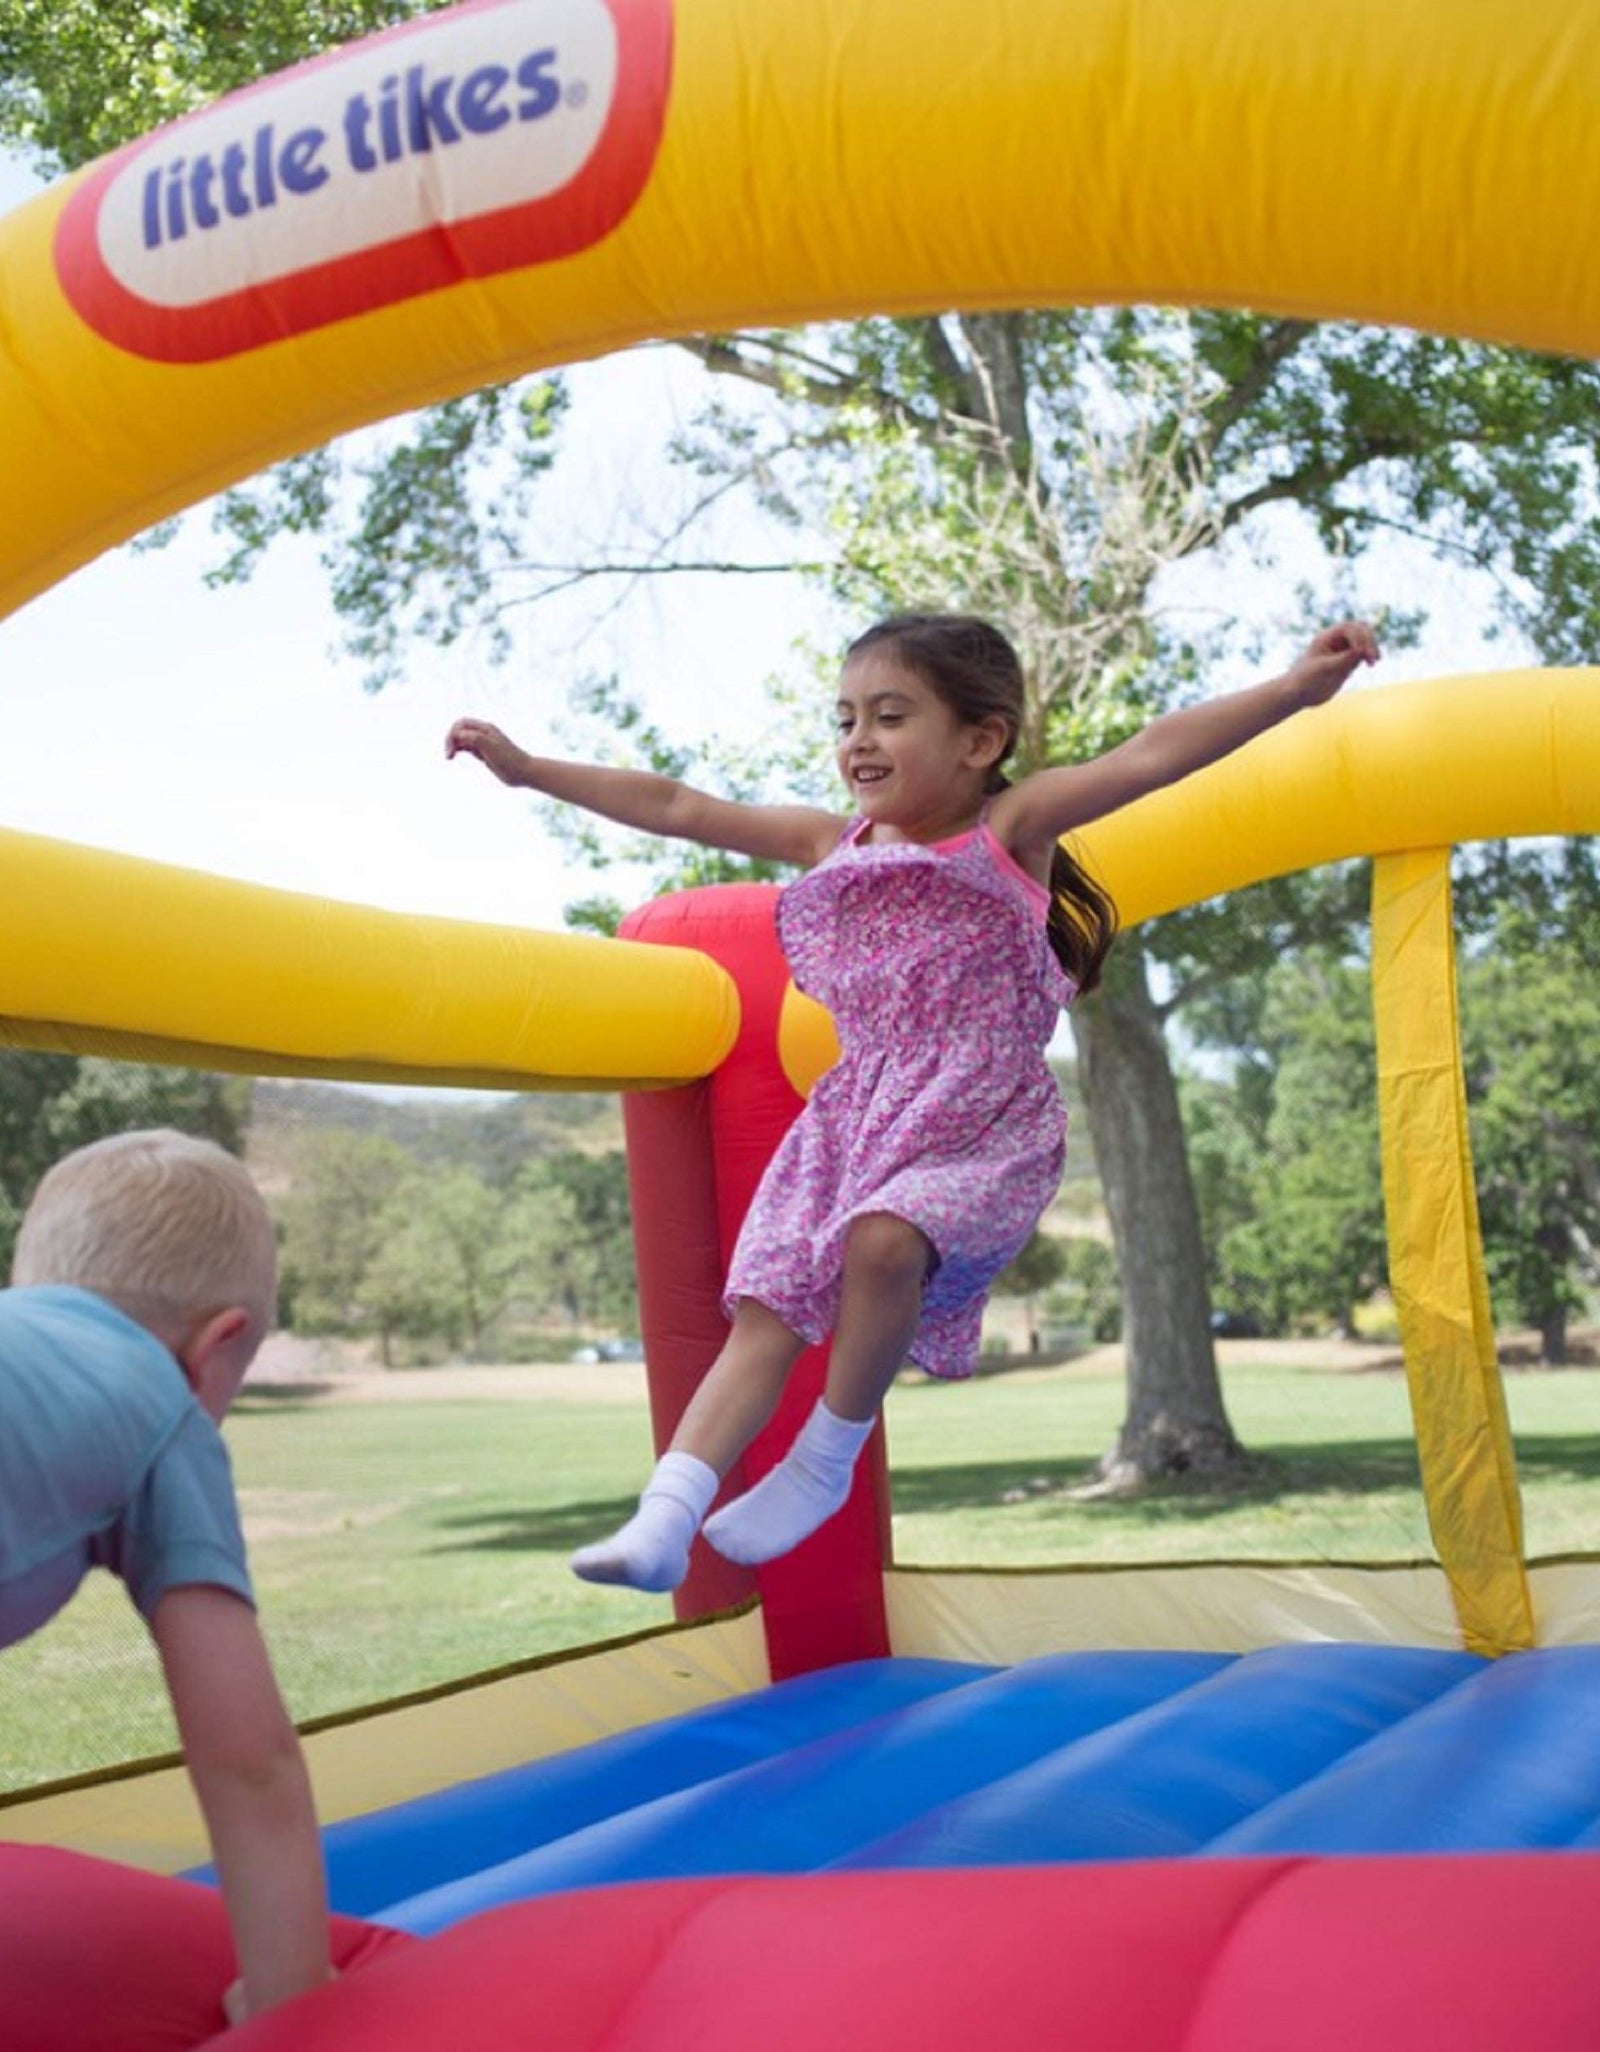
[1034,814]
[653,804]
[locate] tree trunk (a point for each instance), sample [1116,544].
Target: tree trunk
[1553,1337]
[1175,1422]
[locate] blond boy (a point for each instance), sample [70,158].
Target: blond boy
[143,1283]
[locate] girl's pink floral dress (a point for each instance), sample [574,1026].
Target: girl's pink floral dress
[941,1108]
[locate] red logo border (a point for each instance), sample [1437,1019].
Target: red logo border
[574,217]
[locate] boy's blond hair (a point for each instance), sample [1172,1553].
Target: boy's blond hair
[168,1228]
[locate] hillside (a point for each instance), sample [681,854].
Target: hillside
[489,1133]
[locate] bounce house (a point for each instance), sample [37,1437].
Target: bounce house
[1211,1806]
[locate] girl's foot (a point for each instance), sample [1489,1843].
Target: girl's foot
[651,1551]
[808,1485]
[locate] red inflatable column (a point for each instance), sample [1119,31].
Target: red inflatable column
[695,1158]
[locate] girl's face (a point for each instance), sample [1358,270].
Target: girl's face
[905,757]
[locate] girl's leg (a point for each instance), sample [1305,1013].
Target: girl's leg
[737,1397]
[886,1263]
[741,1388]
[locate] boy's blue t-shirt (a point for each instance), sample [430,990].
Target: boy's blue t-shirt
[106,1459]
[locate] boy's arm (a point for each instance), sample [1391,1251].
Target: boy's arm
[651,803]
[244,1757]
[1034,814]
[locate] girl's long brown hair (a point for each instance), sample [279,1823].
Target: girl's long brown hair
[974,670]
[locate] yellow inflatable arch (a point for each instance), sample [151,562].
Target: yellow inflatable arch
[524,182]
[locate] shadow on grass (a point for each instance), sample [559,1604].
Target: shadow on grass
[1340,1468]
[274,1399]
[551,1528]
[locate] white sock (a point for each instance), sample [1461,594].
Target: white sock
[651,1551]
[802,1492]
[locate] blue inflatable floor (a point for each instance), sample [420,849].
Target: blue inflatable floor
[1080,1756]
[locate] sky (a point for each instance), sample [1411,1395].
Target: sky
[223,730]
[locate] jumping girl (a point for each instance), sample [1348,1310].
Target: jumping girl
[943,925]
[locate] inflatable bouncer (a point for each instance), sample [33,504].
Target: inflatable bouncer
[1208,1806]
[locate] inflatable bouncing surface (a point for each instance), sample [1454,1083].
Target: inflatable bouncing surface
[1217,1805]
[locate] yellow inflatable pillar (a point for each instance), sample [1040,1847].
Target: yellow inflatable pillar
[1436,1255]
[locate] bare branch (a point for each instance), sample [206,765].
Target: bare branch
[795,375]
[1277,343]
[946,365]
[1303,484]
[567,576]
[997,385]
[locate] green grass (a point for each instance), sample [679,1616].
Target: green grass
[404,1543]
[989,1474]
[393,1546]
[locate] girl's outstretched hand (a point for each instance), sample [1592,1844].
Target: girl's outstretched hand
[1333,657]
[496,751]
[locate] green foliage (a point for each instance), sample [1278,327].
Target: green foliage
[1284,1148]
[1315,1245]
[78,77]
[495,1136]
[332,1226]
[446,1262]
[1284,1151]
[378,1243]
[579,1204]
[1043,1261]
[1531,1024]
[50,1104]
[1089,1291]
[421,530]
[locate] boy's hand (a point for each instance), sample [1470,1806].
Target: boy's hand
[496,751]
[1333,657]
[237,2009]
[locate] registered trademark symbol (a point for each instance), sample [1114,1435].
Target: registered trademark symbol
[576,93]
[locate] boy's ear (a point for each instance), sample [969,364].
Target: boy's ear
[211,1358]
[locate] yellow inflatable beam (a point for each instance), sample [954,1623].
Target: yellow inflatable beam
[107,954]
[533,181]
[1429,765]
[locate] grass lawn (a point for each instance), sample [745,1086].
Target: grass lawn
[403,1543]
[986,1474]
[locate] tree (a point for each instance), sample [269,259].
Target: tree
[1087,1294]
[333,1222]
[1049,468]
[1296,1225]
[50,1104]
[1286,1145]
[1531,1023]
[1042,1263]
[77,77]
[442,1264]
[578,1231]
